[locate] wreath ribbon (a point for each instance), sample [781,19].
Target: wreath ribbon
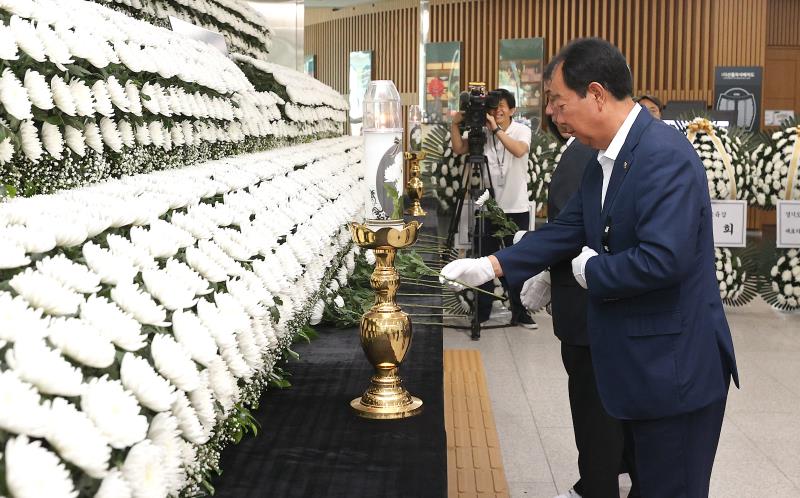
[790,181]
[706,126]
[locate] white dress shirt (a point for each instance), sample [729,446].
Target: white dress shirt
[607,157]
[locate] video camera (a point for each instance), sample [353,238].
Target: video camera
[475,103]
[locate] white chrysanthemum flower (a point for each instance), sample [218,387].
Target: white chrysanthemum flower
[55,49]
[72,275]
[152,390]
[12,255]
[29,138]
[91,133]
[22,412]
[159,241]
[8,47]
[204,403]
[102,100]
[114,485]
[26,38]
[223,383]
[118,326]
[182,272]
[134,98]
[62,96]
[77,439]
[43,367]
[110,134]
[46,293]
[14,96]
[75,140]
[189,423]
[131,299]
[316,313]
[18,320]
[114,411]
[156,130]
[110,267]
[117,94]
[164,433]
[123,247]
[38,90]
[143,470]
[194,336]
[51,479]
[6,150]
[126,133]
[174,362]
[173,294]
[82,95]
[52,140]
[205,265]
[82,342]
[143,135]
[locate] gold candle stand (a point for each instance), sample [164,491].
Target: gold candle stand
[385,329]
[415,187]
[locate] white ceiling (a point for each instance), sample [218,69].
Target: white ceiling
[328,4]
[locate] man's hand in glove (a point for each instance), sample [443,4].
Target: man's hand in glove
[472,272]
[535,293]
[579,265]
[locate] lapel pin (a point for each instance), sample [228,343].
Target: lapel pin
[625,165]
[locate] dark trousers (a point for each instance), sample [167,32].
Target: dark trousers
[489,245]
[600,438]
[675,455]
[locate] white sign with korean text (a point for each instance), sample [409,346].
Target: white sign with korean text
[730,223]
[788,227]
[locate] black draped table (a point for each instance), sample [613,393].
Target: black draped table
[313,445]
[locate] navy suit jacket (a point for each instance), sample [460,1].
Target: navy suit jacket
[567,298]
[660,341]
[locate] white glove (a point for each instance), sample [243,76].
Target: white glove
[518,236]
[579,265]
[472,272]
[535,293]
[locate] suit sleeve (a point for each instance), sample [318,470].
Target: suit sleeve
[668,211]
[538,250]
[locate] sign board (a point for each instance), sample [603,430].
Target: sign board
[442,80]
[520,72]
[787,233]
[775,117]
[738,88]
[194,32]
[359,76]
[730,223]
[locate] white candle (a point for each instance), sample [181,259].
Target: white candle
[383,147]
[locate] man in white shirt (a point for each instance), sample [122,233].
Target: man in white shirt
[506,149]
[661,347]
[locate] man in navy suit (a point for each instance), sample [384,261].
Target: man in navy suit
[661,348]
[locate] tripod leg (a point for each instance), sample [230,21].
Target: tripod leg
[476,324]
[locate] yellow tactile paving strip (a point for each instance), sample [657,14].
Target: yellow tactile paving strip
[474,461]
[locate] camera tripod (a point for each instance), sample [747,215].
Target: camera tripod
[474,167]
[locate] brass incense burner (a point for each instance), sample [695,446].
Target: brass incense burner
[385,329]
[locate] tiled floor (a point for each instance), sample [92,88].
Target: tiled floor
[759,452]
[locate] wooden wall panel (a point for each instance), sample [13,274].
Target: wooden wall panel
[671,45]
[783,23]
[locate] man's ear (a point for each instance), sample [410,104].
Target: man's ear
[597,92]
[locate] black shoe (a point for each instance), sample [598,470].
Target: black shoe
[524,320]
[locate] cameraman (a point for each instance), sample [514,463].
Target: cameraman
[506,148]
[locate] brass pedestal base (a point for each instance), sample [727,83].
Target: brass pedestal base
[386,398]
[416,209]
